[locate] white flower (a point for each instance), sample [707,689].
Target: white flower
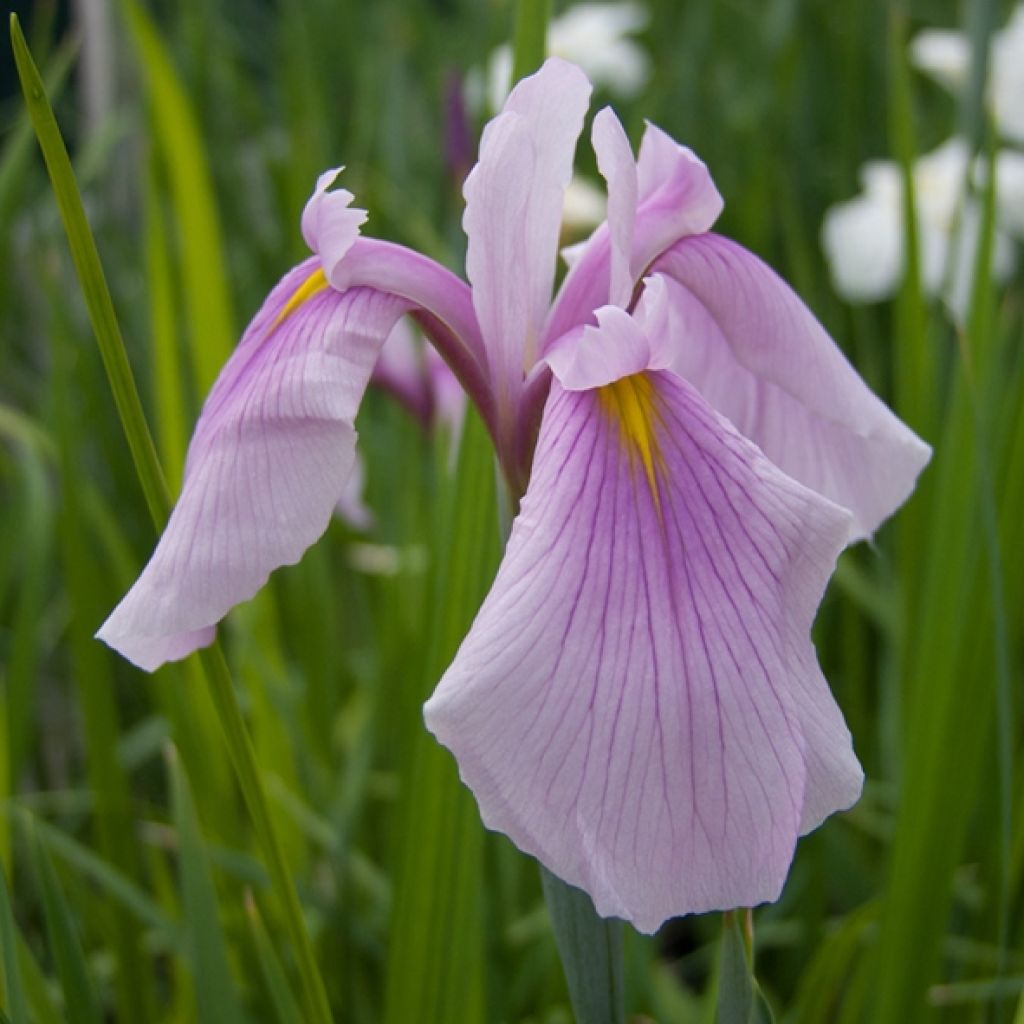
[584,206]
[863,238]
[596,36]
[946,57]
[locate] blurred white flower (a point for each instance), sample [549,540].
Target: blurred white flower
[584,207]
[596,36]
[946,57]
[863,237]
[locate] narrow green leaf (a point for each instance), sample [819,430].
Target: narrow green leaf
[205,288]
[216,999]
[122,382]
[109,880]
[739,996]
[285,1006]
[94,679]
[591,950]
[80,1004]
[92,280]
[436,960]
[11,988]
[530,42]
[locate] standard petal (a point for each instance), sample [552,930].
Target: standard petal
[617,166]
[676,198]
[759,356]
[271,453]
[638,703]
[513,214]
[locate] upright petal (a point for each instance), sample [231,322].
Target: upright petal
[759,356]
[513,214]
[638,703]
[615,162]
[675,198]
[267,464]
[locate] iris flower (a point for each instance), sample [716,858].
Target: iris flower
[638,703]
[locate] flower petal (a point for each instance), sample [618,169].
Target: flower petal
[638,703]
[271,453]
[330,225]
[615,162]
[513,212]
[863,242]
[676,198]
[759,356]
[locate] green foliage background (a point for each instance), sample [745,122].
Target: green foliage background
[135,888]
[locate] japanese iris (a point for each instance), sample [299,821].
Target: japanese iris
[638,703]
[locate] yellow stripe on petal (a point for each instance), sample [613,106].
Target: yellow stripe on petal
[316,282]
[630,402]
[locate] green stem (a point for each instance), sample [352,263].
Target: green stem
[151,477]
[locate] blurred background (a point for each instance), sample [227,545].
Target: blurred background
[134,887]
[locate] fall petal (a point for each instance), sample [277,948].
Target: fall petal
[630,703]
[268,462]
[759,356]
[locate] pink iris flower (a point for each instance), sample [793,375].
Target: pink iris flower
[638,703]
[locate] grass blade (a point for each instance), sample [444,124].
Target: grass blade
[204,938]
[80,1004]
[147,465]
[11,989]
[205,290]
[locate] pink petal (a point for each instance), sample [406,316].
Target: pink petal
[268,462]
[616,164]
[329,225]
[638,703]
[759,356]
[676,199]
[513,215]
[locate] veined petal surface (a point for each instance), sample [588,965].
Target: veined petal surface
[638,703]
[513,211]
[760,357]
[267,464]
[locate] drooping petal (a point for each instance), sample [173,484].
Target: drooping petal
[267,464]
[616,164]
[513,212]
[676,198]
[638,703]
[760,357]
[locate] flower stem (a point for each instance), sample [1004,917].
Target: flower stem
[154,486]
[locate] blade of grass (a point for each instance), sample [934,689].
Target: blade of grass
[216,998]
[95,683]
[11,988]
[80,1004]
[115,359]
[204,286]
[435,964]
[274,977]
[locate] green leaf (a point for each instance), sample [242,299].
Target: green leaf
[80,1004]
[204,937]
[205,288]
[530,43]
[285,1006]
[11,988]
[740,1000]
[591,950]
[436,962]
